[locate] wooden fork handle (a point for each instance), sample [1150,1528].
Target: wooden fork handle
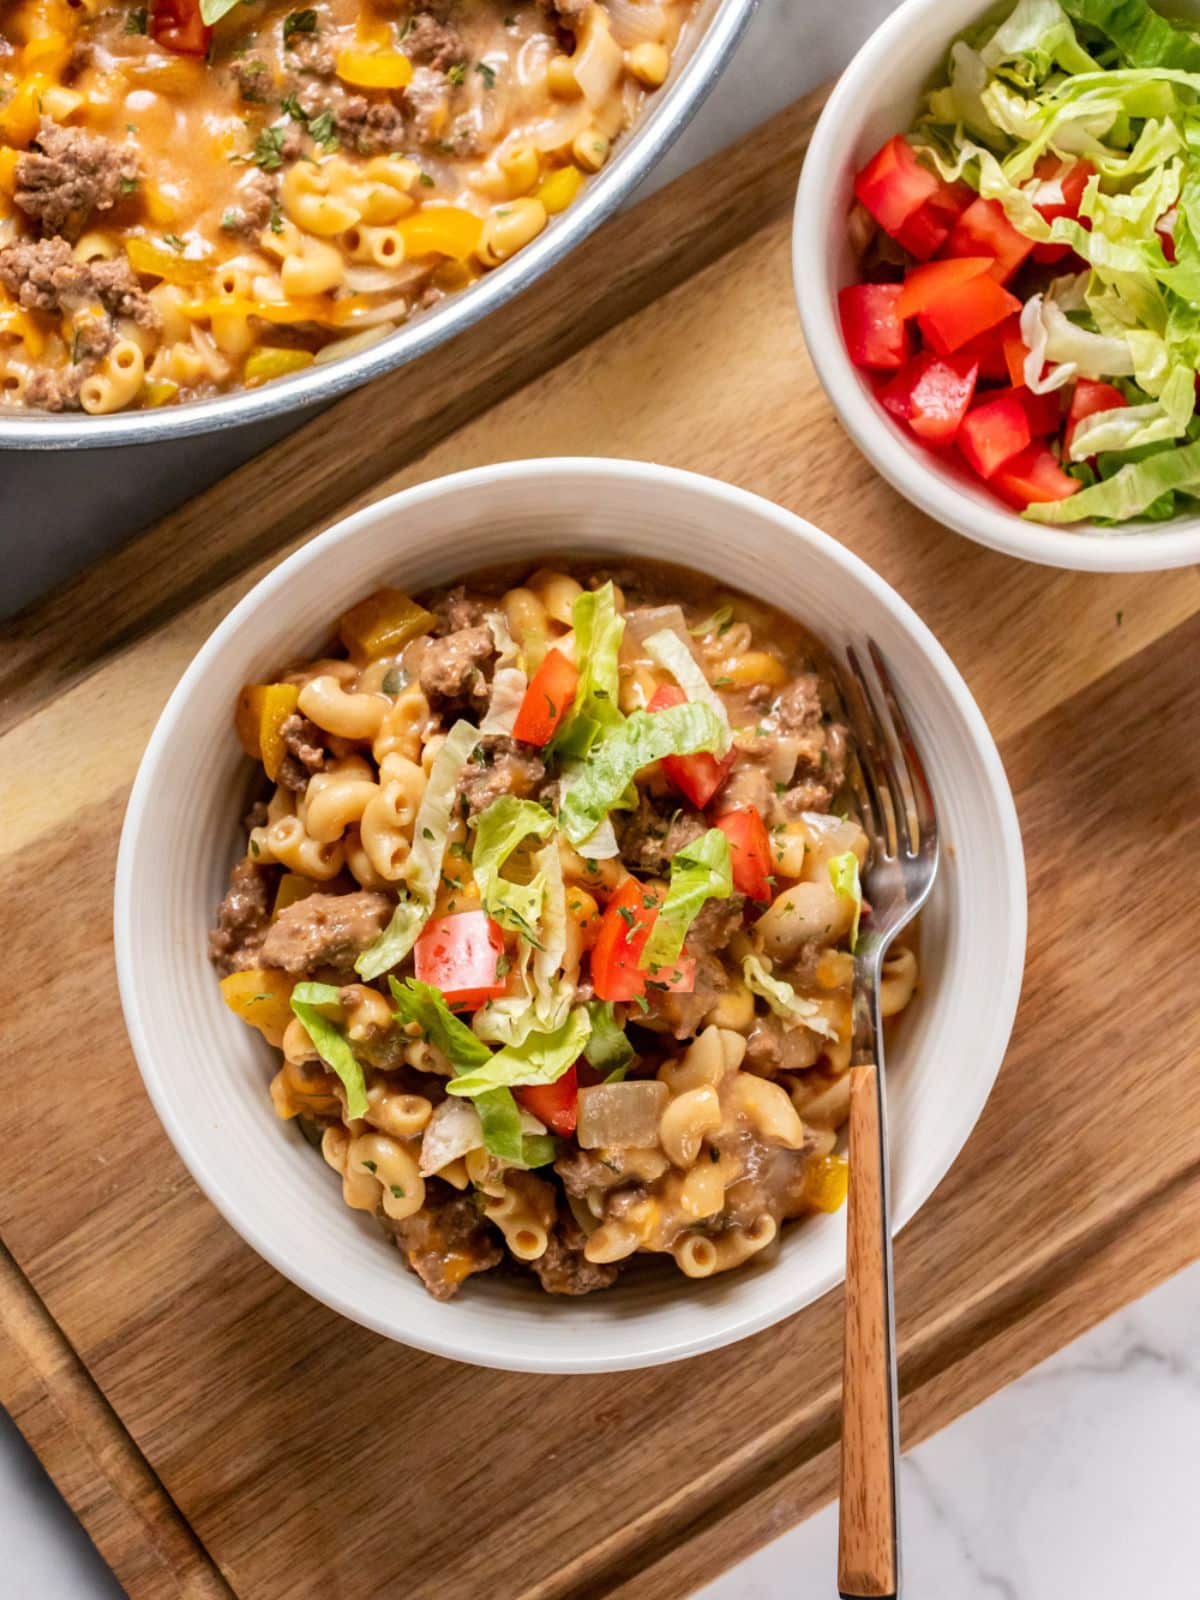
[868,1559]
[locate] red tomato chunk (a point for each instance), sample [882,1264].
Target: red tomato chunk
[460,955]
[749,852]
[178,26]
[696,777]
[984,230]
[963,312]
[624,929]
[1033,475]
[925,285]
[932,395]
[1072,178]
[551,690]
[994,432]
[875,336]
[555,1105]
[926,231]
[894,184]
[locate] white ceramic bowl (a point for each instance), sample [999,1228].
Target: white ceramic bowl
[878,95]
[207,1074]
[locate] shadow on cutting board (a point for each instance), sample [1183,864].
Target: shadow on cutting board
[61,509]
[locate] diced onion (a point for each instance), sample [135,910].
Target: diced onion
[561,129]
[634,22]
[452,1131]
[621,1115]
[599,64]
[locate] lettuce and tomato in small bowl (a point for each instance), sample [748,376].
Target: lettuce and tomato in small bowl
[997,256]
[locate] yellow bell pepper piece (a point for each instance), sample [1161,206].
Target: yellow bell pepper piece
[557,189]
[828,1182]
[23,326]
[160,391]
[382,624]
[21,113]
[48,53]
[374,69]
[261,998]
[157,261]
[8,170]
[441,231]
[274,361]
[261,711]
[292,887]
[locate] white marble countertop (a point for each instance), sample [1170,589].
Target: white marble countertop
[1077,1480]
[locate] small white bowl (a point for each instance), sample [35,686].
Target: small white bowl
[878,95]
[207,1074]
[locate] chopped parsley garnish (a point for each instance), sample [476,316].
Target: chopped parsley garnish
[268,149]
[370,1166]
[324,130]
[426,180]
[722,683]
[174,242]
[299,22]
[137,21]
[488,74]
[397,1191]
[275,220]
[232,219]
[626,915]
[128,185]
[457,73]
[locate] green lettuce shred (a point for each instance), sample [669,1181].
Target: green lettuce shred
[783,999]
[843,874]
[700,871]
[608,1049]
[330,1043]
[593,787]
[539,1058]
[504,825]
[599,629]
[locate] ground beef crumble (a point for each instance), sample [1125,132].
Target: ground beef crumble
[306,752]
[563,1268]
[67,174]
[446,1241]
[509,767]
[325,930]
[242,920]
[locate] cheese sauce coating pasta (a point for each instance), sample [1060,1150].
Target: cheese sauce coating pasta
[548,908]
[197,195]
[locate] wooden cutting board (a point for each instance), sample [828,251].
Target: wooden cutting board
[220,1433]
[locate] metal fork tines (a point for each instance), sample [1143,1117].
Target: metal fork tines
[896,807]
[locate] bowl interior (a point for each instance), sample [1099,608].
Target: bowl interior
[208,1074]
[877,96]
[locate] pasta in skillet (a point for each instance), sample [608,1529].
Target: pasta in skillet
[197,195]
[549,909]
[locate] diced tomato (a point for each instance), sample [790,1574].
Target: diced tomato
[1090,396]
[624,929]
[924,233]
[932,394]
[994,432]
[875,336]
[984,230]
[1073,180]
[696,777]
[177,25]
[963,312]
[675,977]
[749,851]
[925,285]
[460,955]
[987,351]
[1031,476]
[551,690]
[556,1105]
[1042,411]
[1015,349]
[894,184]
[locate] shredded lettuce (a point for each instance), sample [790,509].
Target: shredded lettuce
[502,1123]
[717,623]
[592,788]
[700,871]
[213,10]
[669,650]
[499,829]
[843,874]
[509,682]
[1117,84]
[539,1058]
[783,999]
[608,1049]
[599,629]
[601,845]
[423,870]
[1130,492]
[330,1043]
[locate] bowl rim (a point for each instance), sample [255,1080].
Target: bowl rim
[254,1227]
[646,143]
[862,86]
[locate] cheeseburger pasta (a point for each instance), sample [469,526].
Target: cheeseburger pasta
[548,908]
[201,194]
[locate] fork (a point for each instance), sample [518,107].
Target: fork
[897,812]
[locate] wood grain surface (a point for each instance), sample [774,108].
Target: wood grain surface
[308,1456]
[867,1490]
